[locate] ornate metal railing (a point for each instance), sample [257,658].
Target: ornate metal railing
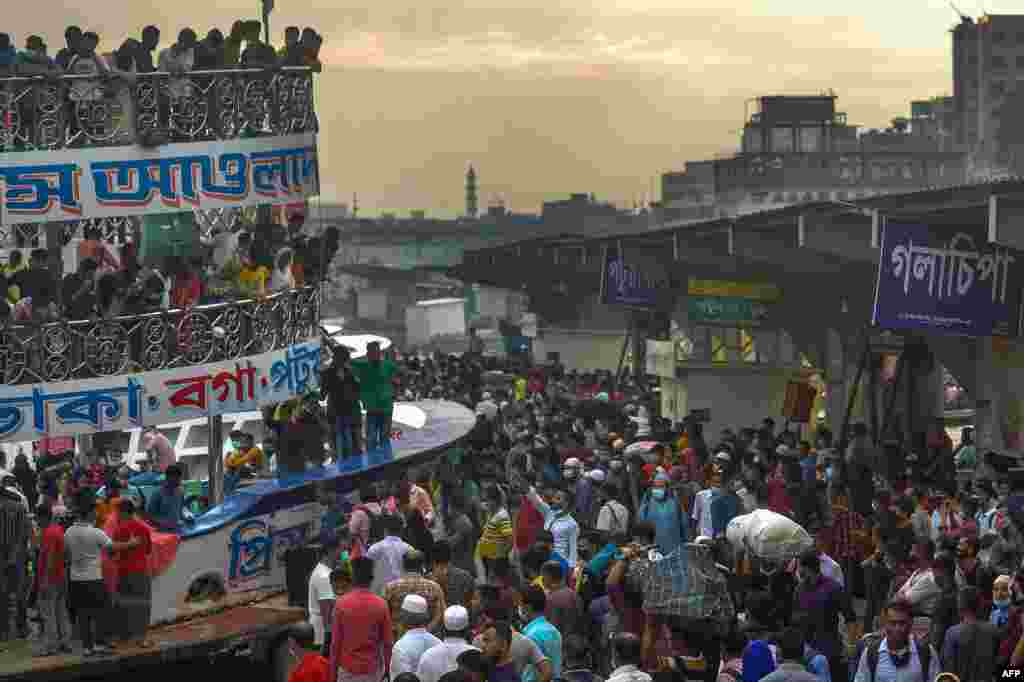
[62,351]
[62,111]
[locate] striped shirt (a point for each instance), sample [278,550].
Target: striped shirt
[496,540]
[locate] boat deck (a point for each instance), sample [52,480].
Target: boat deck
[210,628]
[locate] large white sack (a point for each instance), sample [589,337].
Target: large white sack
[736,531]
[768,535]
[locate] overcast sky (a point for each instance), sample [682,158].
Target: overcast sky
[548,97]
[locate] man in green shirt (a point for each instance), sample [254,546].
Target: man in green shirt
[376,376]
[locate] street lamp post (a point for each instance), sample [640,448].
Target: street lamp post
[268,7]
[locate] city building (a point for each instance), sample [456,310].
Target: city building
[988,60]
[801,149]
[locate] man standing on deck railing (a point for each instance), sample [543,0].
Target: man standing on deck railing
[376,376]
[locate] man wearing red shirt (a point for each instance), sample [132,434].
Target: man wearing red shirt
[53,591]
[528,523]
[134,585]
[361,638]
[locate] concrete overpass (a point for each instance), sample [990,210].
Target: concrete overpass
[824,257]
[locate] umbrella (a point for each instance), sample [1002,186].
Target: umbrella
[642,447]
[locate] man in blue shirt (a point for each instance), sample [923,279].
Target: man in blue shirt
[540,631]
[165,506]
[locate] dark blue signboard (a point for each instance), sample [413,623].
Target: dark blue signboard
[621,285]
[949,280]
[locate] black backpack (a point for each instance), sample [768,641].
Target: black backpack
[874,643]
[378,524]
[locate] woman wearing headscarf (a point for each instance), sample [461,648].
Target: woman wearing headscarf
[661,507]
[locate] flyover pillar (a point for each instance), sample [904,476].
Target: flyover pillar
[999,411]
[836,376]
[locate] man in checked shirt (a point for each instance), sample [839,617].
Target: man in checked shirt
[15,530]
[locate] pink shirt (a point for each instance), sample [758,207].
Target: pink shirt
[420,499]
[153,440]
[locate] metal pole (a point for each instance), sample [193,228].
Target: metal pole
[890,403]
[266,22]
[215,459]
[853,395]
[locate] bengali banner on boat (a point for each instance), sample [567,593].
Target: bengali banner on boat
[129,401]
[103,182]
[947,279]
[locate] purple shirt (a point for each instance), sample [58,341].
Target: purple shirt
[822,603]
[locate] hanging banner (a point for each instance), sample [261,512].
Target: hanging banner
[754,291]
[944,279]
[621,285]
[103,182]
[37,411]
[720,310]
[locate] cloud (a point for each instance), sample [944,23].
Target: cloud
[549,97]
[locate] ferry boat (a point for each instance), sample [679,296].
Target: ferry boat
[227,145]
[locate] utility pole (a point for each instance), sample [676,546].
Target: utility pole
[268,7]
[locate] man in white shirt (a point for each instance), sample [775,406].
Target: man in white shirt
[626,657]
[703,523]
[84,545]
[388,555]
[898,659]
[321,596]
[443,658]
[613,518]
[406,654]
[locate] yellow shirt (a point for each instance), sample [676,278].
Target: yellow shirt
[253,457]
[520,389]
[253,280]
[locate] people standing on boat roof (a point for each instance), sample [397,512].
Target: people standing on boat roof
[376,375]
[165,506]
[158,449]
[344,411]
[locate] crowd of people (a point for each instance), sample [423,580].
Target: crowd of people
[525,553]
[108,77]
[243,47]
[111,281]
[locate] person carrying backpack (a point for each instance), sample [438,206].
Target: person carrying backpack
[368,522]
[893,655]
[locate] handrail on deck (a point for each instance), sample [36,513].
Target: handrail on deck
[60,111]
[82,349]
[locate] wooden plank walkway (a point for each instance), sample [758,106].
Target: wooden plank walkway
[207,630]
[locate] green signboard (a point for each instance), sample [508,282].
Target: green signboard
[168,234]
[717,309]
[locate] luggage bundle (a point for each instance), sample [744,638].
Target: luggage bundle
[768,536]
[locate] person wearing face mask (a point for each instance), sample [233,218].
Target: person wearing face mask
[663,509]
[581,486]
[559,521]
[496,539]
[896,656]
[823,600]
[1001,601]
